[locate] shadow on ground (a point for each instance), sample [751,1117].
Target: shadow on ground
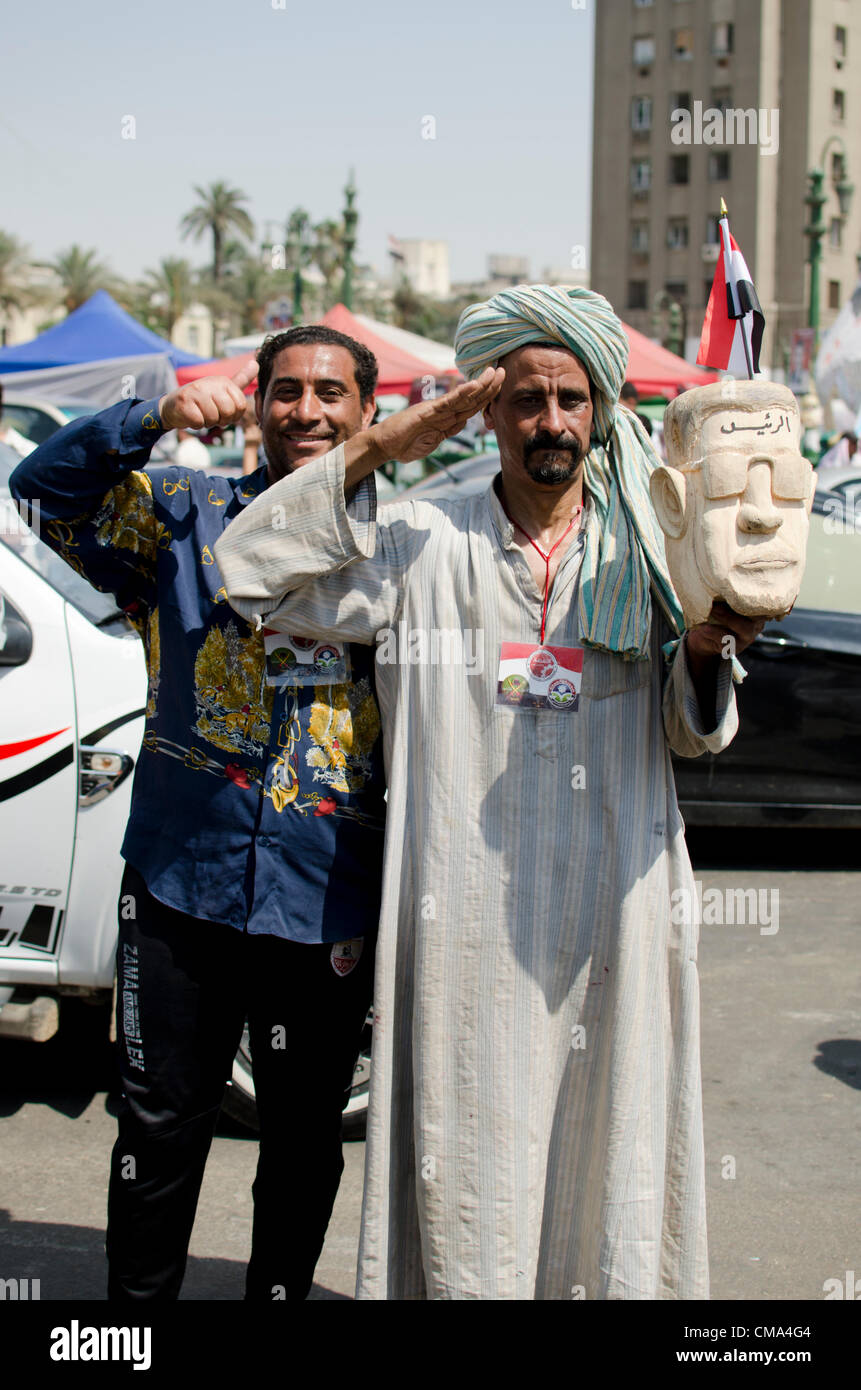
[69,1263]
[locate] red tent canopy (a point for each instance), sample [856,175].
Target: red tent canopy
[653,369]
[219,366]
[398,369]
[657,372]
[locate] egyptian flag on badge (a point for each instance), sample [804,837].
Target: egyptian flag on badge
[734,322]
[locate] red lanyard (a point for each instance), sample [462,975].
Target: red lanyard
[546,558]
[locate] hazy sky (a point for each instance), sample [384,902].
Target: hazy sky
[281,102]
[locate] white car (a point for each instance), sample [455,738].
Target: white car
[73,690]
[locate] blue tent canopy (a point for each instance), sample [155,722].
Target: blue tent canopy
[97,330]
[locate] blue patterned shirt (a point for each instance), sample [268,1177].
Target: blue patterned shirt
[255,805]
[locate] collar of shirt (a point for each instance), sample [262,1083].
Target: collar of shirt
[505,530]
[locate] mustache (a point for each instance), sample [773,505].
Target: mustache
[560,443]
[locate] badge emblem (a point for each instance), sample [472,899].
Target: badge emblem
[345,955]
[514,688]
[326,656]
[282,658]
[303,644]
[542,664]
[561,694]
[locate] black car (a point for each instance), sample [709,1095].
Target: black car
[797,755]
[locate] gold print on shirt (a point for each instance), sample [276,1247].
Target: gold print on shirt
[153,654]
[234,703]
[343,727]
[126,520]
[284,787]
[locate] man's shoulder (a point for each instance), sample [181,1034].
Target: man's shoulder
[433,513]
[177,488]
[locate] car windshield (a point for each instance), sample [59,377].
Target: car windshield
[16,535]
[832,573]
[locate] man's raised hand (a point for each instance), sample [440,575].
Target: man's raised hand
[416,432]
[211,400]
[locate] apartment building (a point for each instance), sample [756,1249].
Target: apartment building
[701,99]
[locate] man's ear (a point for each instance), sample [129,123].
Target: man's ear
[668,489]
[369,410]
[487,416]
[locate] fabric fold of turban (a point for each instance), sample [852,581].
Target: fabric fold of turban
[624,559]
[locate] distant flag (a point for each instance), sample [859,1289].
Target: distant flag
[734,322]
[396,251]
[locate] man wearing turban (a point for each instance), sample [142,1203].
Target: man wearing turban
[535,1125]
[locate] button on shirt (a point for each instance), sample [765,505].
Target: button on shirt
[256,806]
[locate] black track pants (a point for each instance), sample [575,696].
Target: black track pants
[184,990]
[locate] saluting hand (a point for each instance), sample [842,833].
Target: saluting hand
[212,400]
[416,432]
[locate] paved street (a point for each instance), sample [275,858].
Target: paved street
[781,1073]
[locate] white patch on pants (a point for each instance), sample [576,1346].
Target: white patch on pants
[345,955]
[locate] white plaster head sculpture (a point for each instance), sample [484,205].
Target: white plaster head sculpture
[734,499]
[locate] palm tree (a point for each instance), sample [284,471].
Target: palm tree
[299,253]
[80,273]
[218,212]
[16,292]
[250,285]
[328,255]
[171,286]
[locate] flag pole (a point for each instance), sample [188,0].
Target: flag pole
[724,213]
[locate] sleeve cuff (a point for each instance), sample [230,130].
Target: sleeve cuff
[141,427]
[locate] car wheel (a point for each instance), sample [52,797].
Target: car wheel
[240,1104]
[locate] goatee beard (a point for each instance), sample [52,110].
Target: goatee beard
[562,456]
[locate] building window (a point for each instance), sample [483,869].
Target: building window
[677,290]
[192,337]
[719,166]
[679,168]
[834,294]
[722,40]
[640,237]
[644,52]
[683,43]
[681,101]
[838,105]
[677,233]
[835,233]
[721,99]
[637,294]
[838,168]
[643,4]
[839,44]
[641,113]
[641,175]
[712,230]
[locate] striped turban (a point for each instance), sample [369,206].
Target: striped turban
[623,560]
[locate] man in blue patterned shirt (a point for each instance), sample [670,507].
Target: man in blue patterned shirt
[254,844]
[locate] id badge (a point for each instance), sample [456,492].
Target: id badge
[304,660]
[540,678]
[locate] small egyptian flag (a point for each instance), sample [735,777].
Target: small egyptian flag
[734,321]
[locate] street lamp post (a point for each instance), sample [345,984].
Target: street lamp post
[815,230]
[351,218]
